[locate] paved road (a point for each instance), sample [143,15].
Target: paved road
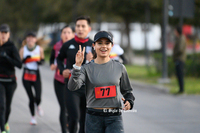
[157,112]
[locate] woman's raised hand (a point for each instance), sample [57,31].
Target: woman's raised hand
[80,56]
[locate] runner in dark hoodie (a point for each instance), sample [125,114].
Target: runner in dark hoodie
[9,58]
[76,104]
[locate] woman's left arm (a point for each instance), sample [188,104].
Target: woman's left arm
[41,62]
[126,89]
[15,59]
[42,53]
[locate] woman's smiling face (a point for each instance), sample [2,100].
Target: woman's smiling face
[103,47]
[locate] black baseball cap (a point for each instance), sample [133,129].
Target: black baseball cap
[4,28]
[31,33]
[103,34]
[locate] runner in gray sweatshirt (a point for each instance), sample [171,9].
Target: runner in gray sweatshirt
[104,79]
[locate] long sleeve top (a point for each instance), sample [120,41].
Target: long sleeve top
[104,84]
[179,51]
[9,58]
[68,51]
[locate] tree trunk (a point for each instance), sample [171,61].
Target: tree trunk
[128,50]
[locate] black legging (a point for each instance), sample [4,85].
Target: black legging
[180,74]
[60,91]
[76,107]
[38,90]
[7,90]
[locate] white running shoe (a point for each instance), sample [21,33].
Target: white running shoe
[33,121]
[40,111]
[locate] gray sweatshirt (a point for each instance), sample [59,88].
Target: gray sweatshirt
[104,82]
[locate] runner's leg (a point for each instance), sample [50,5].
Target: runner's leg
[114,124]
[10,89]
[60,94]
[73,108]
[38,89]
[94,124]
[27,86]
[82,112]
[2,107]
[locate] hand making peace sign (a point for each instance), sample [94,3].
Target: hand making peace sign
[80,56]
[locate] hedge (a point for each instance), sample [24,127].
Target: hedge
[191,68]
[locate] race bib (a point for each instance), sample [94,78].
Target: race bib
[30,76]
[105,92]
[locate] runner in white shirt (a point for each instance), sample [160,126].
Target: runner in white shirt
[32,56]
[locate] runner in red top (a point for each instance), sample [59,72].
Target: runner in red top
[67,33]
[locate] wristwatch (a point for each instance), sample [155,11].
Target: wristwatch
[76,67]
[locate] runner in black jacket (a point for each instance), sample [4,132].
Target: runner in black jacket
[76,102]
[9,58]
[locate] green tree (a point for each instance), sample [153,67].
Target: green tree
[22,15]
[28,14]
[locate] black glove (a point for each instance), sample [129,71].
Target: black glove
[41,62]
[3,54]
[27,57]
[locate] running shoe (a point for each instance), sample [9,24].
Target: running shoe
[33,121]
[40,111]
[7,128]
